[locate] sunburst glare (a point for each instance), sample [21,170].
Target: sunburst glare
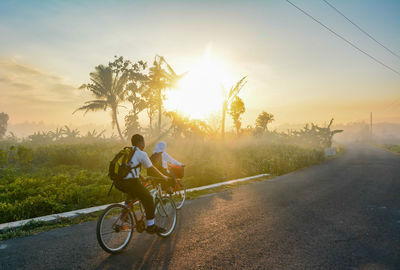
[199,93]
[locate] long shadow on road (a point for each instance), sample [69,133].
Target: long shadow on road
[150,251]
[144,250]
[342,214]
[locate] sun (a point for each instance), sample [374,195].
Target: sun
[199,92]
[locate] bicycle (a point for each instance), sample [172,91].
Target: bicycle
[118,221]
[178,190]
[178,194]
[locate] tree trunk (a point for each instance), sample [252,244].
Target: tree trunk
[159,111]
[159,119]
[150,115]
[224,107]
[238,126]
[117,124]
[151,124]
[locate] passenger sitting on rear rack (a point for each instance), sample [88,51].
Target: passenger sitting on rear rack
[161,160]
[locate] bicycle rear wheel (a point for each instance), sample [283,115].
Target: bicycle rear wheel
[179,195]
[165,215]
[115,228]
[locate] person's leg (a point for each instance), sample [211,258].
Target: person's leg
[168,184]
[135,189]
[172,179]
[145,197]
[124,186]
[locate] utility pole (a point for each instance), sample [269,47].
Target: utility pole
[370,128]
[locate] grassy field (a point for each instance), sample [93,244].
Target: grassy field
[38,180]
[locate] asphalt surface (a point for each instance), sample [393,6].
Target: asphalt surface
[342,214]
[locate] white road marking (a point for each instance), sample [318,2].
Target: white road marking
[3,246]
[54,217]
[227,182]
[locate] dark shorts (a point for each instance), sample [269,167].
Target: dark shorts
[135,189]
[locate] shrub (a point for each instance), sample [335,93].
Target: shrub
[54,178]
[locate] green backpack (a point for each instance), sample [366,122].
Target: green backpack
[119,167]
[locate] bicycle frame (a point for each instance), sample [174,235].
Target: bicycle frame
[125,218]
[156,192]
[177,186]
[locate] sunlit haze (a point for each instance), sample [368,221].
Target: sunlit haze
[200,92]
[296,69]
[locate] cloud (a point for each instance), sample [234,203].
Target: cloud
[21,81]
[27,92]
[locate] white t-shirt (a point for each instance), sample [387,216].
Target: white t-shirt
[140,157]
[168,159]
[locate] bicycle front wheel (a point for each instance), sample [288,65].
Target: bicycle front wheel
[115,228]
[179,195]
[165,215]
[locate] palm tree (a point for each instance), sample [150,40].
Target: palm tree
[160,78]
[228,100]
[108,89]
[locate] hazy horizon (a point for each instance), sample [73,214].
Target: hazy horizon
[296,69]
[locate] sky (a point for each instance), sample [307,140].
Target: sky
[296,69]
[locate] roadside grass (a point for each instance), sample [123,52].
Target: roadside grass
[49,179]
[394,148]
[35,227]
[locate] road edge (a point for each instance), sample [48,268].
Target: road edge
[76,213]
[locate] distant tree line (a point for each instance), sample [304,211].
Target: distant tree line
[144,87]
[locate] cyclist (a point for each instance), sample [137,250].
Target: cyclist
[132,185]
[161,159]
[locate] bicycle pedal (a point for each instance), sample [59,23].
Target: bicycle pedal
[125,227]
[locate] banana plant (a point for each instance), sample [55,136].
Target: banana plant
[233,92]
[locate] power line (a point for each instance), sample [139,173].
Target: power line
[344,39]
[394,103]
[362,30]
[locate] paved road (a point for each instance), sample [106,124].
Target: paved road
[343,214]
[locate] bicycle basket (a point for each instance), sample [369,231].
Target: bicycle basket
[177,170]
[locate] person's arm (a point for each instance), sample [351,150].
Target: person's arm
[171,160]
[154,169]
